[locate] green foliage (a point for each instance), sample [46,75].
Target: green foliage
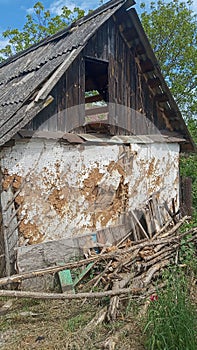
[192,125]
[75,322]
[39,25]
[171,28]
[187,255]
[171,319]
[188,168]
[170,323]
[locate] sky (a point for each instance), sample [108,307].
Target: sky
[13,12]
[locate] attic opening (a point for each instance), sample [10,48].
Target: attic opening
[96,90]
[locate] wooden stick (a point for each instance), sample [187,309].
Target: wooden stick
[160,252]
[163,228]
[136,238]
[176,227]
[13,216]
[123,239]
[172,215]
[146,213]
[97,319]
[97,279]
[165,255]
[139,224]
[58,296]
[152,271]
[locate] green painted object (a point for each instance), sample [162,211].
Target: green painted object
[66,281]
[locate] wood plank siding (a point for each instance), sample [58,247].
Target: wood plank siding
[129,95]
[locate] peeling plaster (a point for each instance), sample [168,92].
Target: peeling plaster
[64,190]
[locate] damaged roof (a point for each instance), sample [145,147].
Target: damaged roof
[27,78]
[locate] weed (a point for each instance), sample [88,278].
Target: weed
[187,254]
[74,323]
[171,319]
[131,307]
[26,304]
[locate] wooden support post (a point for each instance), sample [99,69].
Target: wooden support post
[10,231]
[186,196]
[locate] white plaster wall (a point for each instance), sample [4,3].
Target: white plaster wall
[65,190]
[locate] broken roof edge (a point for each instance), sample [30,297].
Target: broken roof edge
[73,138]
[151,55]
[59,34]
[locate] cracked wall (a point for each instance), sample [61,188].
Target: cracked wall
[61,190]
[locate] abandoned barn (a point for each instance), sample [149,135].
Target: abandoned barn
[90,137]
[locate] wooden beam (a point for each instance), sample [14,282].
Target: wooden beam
[154,82]
[171,114]
[10,224]
[95,98]
[139,49]
[146,66]
[128,33]
[96,111]
[161,97]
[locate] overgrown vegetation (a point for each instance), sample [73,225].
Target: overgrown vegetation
[171,27]
[188,168]
[171,319]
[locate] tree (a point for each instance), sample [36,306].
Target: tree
[172,30]
[39,25]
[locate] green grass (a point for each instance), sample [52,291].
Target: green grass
[171,320]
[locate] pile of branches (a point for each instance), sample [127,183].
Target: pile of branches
[136,268]
[131,268]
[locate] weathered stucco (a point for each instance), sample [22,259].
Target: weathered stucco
[61,190]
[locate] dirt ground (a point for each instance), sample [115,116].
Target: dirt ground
[34,324]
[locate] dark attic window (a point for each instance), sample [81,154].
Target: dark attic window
[96,92]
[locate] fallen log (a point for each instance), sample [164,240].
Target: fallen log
[58,296]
